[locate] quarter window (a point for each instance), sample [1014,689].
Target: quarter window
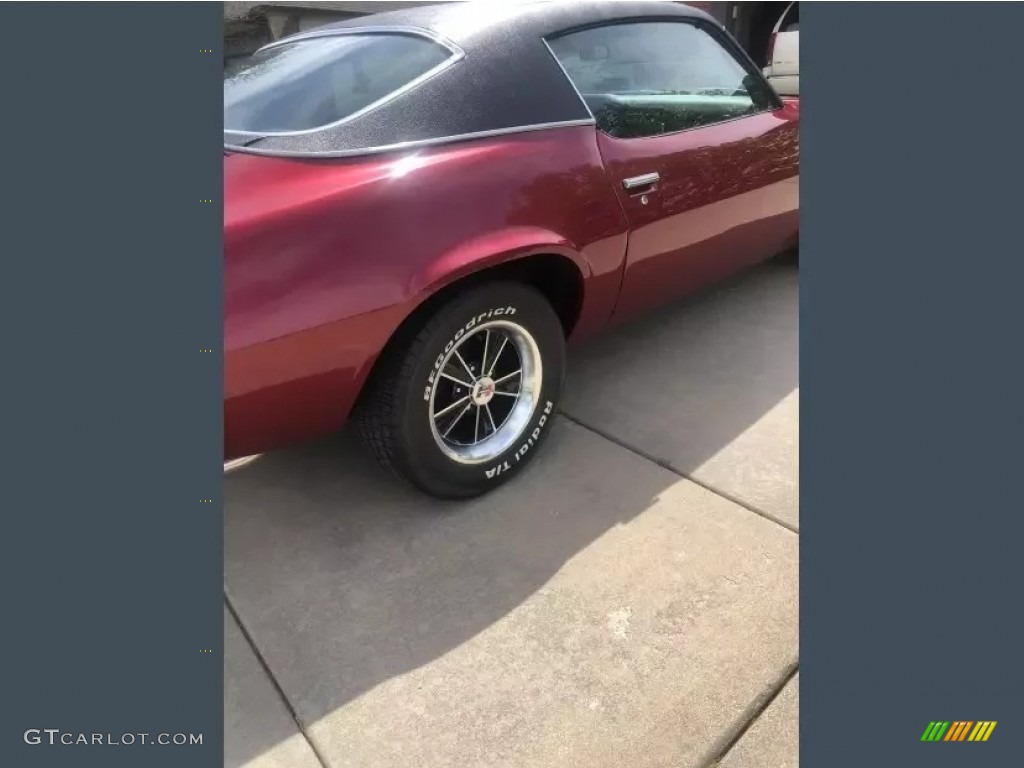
[318,81]
[652,78]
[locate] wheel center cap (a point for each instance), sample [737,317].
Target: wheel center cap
[482,391]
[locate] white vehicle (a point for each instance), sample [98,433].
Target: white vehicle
[783,70]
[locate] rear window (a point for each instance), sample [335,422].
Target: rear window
[318,81]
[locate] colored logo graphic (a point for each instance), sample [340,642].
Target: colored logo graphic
[958,730]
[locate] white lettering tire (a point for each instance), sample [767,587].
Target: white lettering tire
[462,404]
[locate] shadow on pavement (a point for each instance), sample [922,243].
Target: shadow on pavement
[346,578]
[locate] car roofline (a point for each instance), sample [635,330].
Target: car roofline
[378,29]
[505,69]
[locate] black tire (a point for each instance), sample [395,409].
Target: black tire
[395,414]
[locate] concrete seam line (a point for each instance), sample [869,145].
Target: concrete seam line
[273,680]
[749,716]
[666,466]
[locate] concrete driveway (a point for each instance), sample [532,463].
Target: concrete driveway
[630,600]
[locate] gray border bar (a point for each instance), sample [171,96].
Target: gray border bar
[112,564]
[912,382]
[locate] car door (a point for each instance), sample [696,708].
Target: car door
[703,156]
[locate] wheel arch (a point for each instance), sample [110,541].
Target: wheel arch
[557,272]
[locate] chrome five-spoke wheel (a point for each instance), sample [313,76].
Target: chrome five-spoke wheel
[486,392]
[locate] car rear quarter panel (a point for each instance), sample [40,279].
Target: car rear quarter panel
[324,259]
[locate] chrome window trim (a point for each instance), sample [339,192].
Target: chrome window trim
[745,116]
[457,55]
[570,80]
[407,145]
[369,30]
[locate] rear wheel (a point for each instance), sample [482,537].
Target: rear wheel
[464,404]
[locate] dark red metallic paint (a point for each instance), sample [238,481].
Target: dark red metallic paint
[728,198]
[324,259]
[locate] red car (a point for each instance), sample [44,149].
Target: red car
[423,206]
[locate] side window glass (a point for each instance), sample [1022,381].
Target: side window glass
[651,78]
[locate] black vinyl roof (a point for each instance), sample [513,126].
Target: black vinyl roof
[507,80]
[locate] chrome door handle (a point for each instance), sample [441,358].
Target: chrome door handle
[645,180]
